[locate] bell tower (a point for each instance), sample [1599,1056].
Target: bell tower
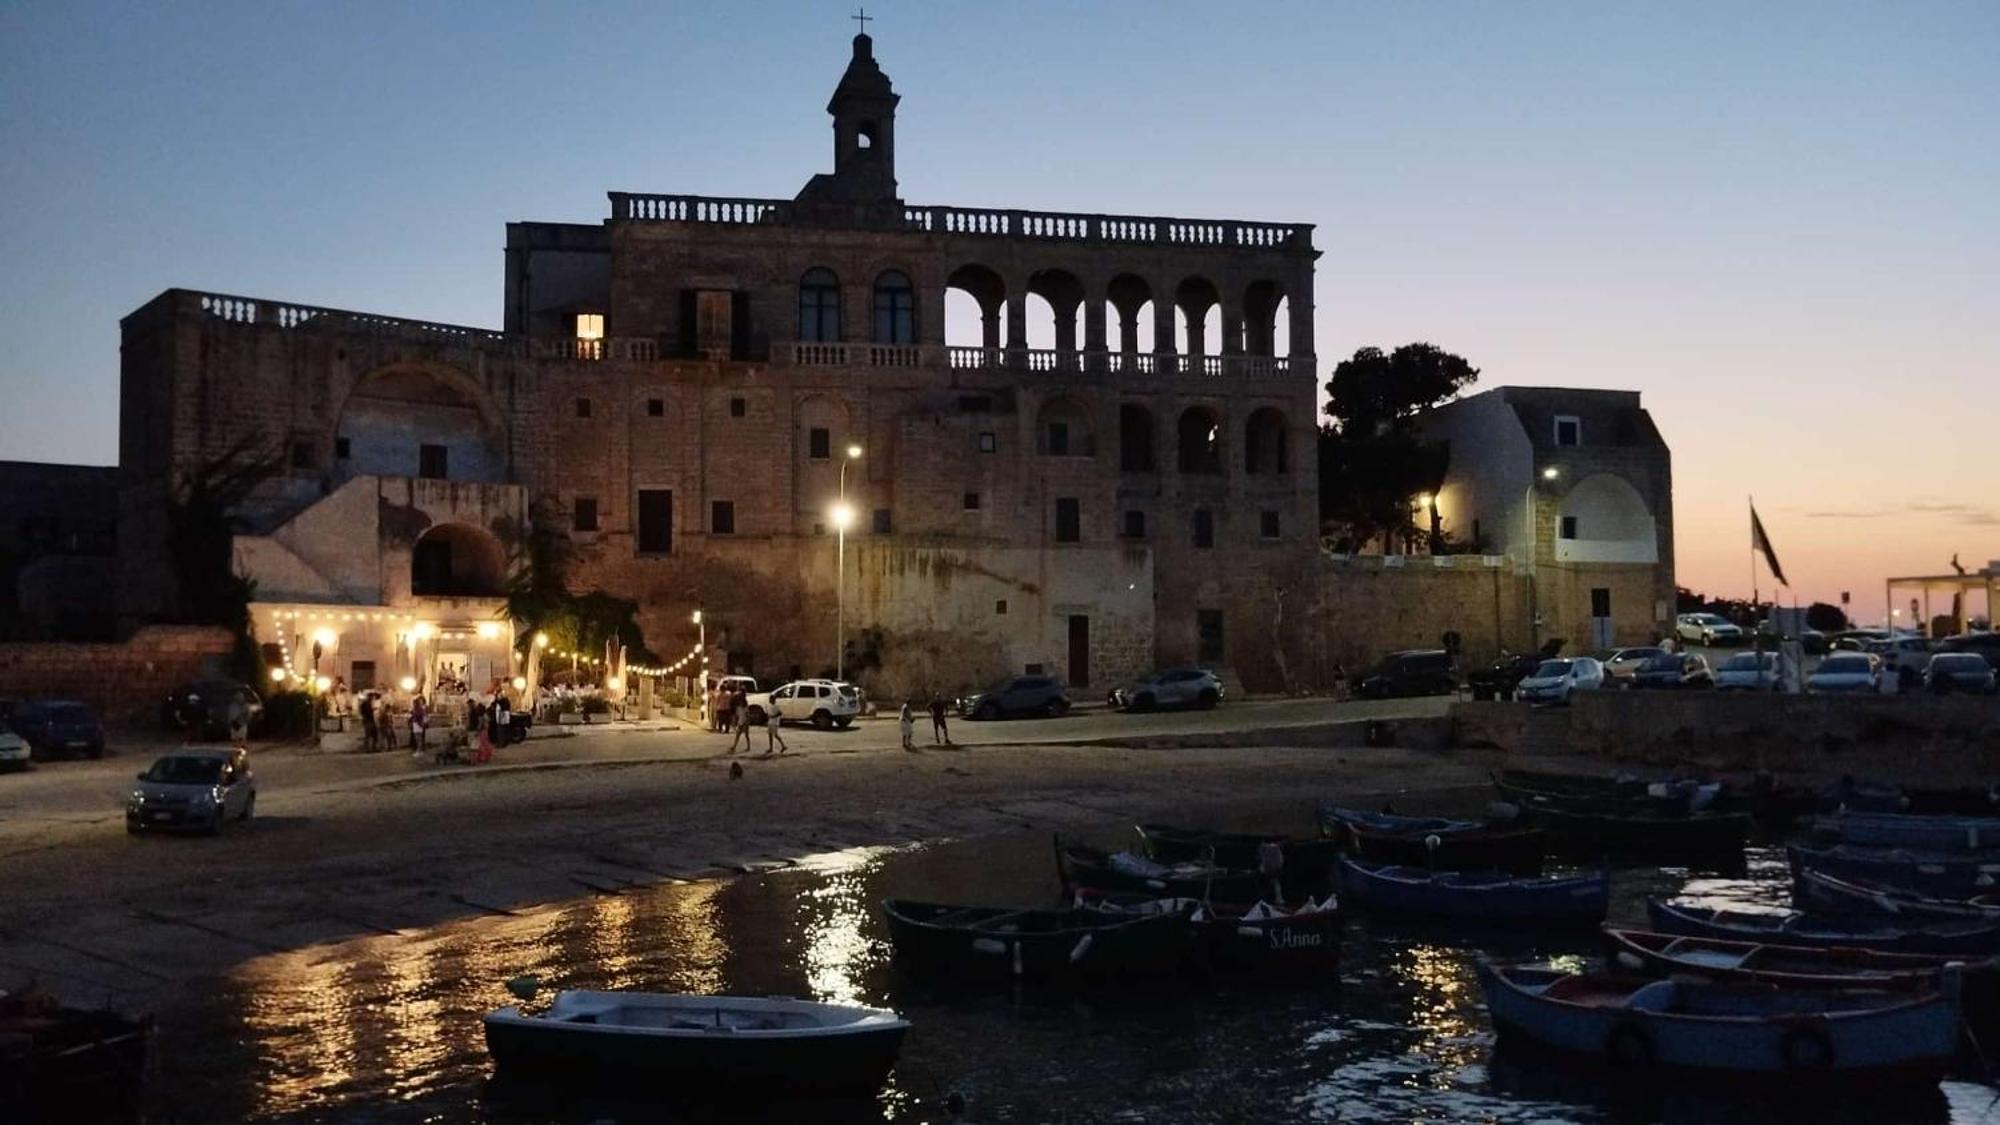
[864,142]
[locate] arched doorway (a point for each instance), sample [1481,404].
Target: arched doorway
[455,560]
[422,420]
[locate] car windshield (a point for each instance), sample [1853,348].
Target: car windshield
[1748,662]
[1844,665]
[186,771]
[1637,654]
[1551,669]
[1662,664]
[999,687]
[1958,662]
[1708,619]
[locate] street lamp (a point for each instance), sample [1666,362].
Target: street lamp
[843,517]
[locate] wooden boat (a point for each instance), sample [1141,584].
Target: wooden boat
[1478,896]
[1863,796]
[1081,866]
[1700,833]
[1940,874]
[1796,966]
[1903,830]
[1434,842]
[1257,938]
[744,1046]
[1040,945]
[1818,892]
[1962,939]
[59,1062]
[1621,793]
[1305,863]
[1756,1031]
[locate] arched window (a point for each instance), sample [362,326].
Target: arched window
[1199,441]
[819,307]
[895,310]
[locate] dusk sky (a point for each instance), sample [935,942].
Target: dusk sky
[1780,222]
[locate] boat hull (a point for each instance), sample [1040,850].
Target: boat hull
[1939,874]
[1975,940]
[852,1063]
[1462,845]
[1224,939]
[1899,830]
[1049,946]
[1090,869]
[1308,863]
[1577,900]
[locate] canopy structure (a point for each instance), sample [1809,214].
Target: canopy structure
[1985,581]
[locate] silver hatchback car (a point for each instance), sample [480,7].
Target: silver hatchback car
[193,789]
[1173,687]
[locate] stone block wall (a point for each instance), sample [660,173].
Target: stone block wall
[125,681]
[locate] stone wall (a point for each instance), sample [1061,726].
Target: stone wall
[126,681]
[1376,605]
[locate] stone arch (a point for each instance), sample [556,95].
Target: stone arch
[1261,319]
[1198,441]
[1063,428]
[1136,439]
[414,419]
[978,325]
[894,318]
[1132,307]
[819,306]
[458,560]
[1064,294]
[1604,519]
[1198,305]
[1265,442]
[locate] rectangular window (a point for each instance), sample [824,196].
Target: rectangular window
[590,326]
[976,404]
[1267,524]
[656,521]
[738,408]
[1000,608]
[1204,528]
[722,517]
[583,408]
[656,408]
[431,462]
[972,501]
[987,442]
[1569,527]
[1135,525]
[714,323]
[361,675]
[819,443]
[1058,439]
[584,513]
[302,455]
[1208,635]
[342,448]
[882,523]
[1569,430]
[1069,521]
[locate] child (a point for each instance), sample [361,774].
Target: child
[775,740]
[906,722]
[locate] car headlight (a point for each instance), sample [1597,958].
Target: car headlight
[138,797]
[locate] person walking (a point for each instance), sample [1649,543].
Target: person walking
[239,722]
[370,736]
[906,723]
[420,714]
[940,734]
[502,719]
[739,718]
[774,719]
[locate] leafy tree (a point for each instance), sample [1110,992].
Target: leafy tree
[538,596]
[201,543]
[1372,460]
[1825,618]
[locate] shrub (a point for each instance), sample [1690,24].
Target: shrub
[596,705]
[289,714]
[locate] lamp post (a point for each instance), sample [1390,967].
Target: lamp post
[843,515]
[1528,555]
[701,646]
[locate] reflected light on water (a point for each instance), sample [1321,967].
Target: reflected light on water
[836,951]
[690,920]
[1441,1007]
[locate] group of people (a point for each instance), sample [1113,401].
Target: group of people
[729,710]
[906,722]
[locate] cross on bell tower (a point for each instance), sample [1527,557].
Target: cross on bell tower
[864,137]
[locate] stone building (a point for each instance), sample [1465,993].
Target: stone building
[58,539]
[1576,488]
[1112,469]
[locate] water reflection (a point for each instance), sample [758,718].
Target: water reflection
[387,1029]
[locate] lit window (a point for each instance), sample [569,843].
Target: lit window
[590,326]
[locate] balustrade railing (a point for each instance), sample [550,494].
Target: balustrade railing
[250,310]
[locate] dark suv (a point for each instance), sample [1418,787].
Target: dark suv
[202,707]
[1985,644]
[58,726]
[1017,696]
[1414,672]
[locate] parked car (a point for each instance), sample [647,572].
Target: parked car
[58,727]
[1985,644]
[1959,671]
[1017,696]
[14,751]
[1674,670]
[824,703]
[203,707]
[1171,687]
[1498,679]
[1411,672]
[1812,642]
[1752,671]
[1553,681]
[197,789]
[1707,629]
[1621,664]
[1896,652]
[1847,672]
[1854,640]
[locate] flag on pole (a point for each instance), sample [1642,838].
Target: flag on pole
[1762,542]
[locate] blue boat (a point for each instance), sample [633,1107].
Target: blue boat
[1898,830]
[1435,842]
[1820,893]
[1752,1032]
[1479,896]
[1943,874]
[1968,939]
